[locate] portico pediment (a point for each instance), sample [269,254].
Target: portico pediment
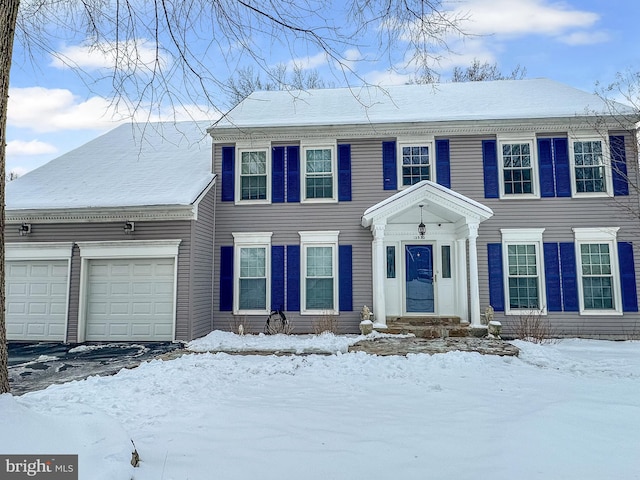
[441,205]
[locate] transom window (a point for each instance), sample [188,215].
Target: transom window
[590,175]
[253,175]
[517,168]
[597,276]
[416,164]
[319,175]
[523,284]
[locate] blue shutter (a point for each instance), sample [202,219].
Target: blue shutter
[293,173]
[490,167]
[344,173]
[496,276]
[443,163]
[293,278]
[552,277]
[228,171]
[277,175]
[389,167]
[545,163]
[226,278]
[345,287]
[561,166]
[569,277]
[619,165]
[627,277]
[277,277]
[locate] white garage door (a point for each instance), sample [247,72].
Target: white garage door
[130,300]
[36,300]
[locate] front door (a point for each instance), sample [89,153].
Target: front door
[419,278]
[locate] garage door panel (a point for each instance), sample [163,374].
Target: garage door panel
[36,303]
[140,302]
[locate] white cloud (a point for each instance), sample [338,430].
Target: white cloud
[131,56]
[48,110]
[585,38]
[308,63]
[522,17]
[31,147]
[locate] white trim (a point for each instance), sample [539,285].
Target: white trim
[425,141]
[331,145]
[535,178]
[44,251]
[129,249]
[103,215]
[125,249]
[251,240]
[606,162]
[524,236]
[318,239]
[245,147]
[38,251]
[608,235]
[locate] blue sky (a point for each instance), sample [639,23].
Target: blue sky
[578,42]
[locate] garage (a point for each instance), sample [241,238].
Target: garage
[36,300]
[130,299]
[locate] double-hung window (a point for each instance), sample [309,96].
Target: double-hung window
[591,170]
[319,272]
[524,271]
[319,167]
[597,270]
[518,167]
[252,266]
[253,184]
[417,161]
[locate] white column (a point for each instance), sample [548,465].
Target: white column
[379,274]
[462,294]
[474,289]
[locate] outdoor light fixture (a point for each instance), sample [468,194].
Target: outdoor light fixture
[25,229]
[422,229]
[129,227]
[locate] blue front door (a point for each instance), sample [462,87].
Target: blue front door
[419,278]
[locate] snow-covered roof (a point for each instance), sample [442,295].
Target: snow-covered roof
[491,100]
[133,165]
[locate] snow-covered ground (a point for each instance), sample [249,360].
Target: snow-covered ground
[569,410]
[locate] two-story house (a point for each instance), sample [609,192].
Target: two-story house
[419,201]
[428,201]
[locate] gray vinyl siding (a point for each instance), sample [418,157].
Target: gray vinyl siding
[285,220]
[201,302]
[557,215]
[83,232]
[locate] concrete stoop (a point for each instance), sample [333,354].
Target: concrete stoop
[428,327]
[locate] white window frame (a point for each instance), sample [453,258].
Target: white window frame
[428,141]
[606,158]
[251,240]
[318,239]
[322,145]
[535,177]
[253,147]
[524,236]
[601,235]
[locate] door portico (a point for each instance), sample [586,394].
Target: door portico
[425,275]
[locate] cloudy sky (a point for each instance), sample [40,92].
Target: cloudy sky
[52,109]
